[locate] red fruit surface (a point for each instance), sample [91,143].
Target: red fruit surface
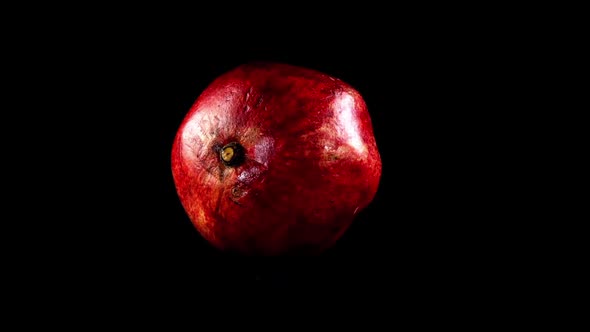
[309,161]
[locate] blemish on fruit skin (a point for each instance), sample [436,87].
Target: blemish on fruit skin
[235,191]
[236,194]
[263,150]
[248,94]
[259,102]
[247,107]
[333,157]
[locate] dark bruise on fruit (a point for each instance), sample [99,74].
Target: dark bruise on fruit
[275,159]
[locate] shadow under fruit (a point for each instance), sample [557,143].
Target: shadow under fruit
[274,159]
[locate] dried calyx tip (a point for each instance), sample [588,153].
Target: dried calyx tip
[232,154]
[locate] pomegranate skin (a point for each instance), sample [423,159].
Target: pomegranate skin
[275,159]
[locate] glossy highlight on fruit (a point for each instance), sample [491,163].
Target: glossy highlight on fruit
[275,159]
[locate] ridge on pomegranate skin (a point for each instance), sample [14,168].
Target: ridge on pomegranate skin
[275,159]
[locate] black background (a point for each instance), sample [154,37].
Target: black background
[435,89]
[460,227]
